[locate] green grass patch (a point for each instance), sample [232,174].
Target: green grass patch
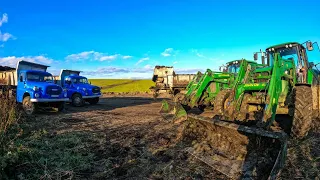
[123,85]
[108,82]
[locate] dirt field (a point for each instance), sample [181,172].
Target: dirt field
[120,138]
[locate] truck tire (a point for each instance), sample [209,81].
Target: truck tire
[219,102]
[93,101]
[28,107]
[61,107]
[77,100]
[302,118]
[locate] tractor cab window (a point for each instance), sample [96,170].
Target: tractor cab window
[233,68]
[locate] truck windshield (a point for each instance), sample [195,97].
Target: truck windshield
[80,81]
[39,77]
[233,68]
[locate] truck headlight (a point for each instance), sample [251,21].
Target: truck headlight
[36,95]
[64,90]
[65,94]
[35,88]
[84,89]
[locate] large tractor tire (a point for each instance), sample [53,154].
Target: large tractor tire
[302,118]
[219,103]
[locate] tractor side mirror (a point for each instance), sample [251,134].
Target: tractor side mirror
[311,64]
[309,46]
[255,56]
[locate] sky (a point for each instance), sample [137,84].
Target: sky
[126,39]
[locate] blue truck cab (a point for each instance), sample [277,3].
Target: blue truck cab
[34,87]
[78,88]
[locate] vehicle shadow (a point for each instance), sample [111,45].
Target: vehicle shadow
[105,104]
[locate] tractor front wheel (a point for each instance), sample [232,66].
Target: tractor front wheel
[302,118]
[219,104]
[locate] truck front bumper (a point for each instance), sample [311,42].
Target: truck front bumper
[89,97]
[50,100]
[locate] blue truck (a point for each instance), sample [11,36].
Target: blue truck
[32,87]
[78,88]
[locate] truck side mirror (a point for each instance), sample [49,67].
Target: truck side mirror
[309,46]
[21,79]
[255,56]
[55,81]
[90,82]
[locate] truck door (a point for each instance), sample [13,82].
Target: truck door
[20,86]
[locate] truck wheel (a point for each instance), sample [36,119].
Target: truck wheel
[28,106]
[77,100]
[61,106]
[302,118]
[94,101]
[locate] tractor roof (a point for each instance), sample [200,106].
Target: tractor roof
[284,45]
[241,60]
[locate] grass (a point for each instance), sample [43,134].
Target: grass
[123,85]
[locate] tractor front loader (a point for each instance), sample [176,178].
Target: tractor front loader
[248,137]
[202,93]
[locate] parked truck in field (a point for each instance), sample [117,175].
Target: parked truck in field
[78,88]
[166,80]
[32,86]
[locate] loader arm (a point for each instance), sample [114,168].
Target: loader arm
[219,78]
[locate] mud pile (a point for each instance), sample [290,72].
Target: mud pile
[234,153]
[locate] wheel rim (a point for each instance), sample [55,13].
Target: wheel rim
[77,100]
[28,107]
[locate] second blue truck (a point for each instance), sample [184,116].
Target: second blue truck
[79,90]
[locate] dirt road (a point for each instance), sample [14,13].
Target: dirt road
[120,138]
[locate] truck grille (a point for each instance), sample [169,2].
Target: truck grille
[53,90]
[96,90]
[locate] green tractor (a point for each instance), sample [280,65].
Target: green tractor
[282,88]
[248,136]
[203,89]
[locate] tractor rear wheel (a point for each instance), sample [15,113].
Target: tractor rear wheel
[219,102]
[302,118]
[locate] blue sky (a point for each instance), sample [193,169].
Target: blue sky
[126,39]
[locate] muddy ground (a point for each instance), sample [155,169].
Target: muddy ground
[124,137]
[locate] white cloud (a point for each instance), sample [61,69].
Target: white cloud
[5,37]
[12,60]
[142,60]
[169,52]
[92,55]
[4,19]
[175,62]
[108,58]
[188,70]
[126,57]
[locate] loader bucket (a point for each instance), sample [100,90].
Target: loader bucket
[174,112]
[239,152]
